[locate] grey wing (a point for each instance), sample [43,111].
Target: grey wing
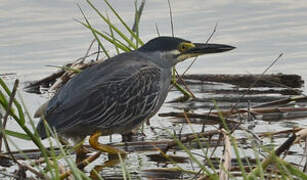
[124,100]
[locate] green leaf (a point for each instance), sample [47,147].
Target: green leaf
[116,42]
[94,33]
[122,35]
[123,22]
[17,135]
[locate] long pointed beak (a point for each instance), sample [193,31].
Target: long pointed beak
[201,48]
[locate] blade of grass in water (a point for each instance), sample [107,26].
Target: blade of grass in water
[113,37]
[233,141]
[17,135]
[21,117]
[292,169]
[124,168]
[21,122]
[94,33]
[107,37]
[200,145]
[121,34]
[194,159]
[137,18]
[123,22]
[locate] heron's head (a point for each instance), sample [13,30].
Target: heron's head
[176,50]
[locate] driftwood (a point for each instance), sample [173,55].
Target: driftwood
[287,81]
[283,101]
[133,146]
[249,80]
[7,74]
[260,110]
[213,115]
[57,79]
[278,133]
[251,91]
[208,119]
[265,114]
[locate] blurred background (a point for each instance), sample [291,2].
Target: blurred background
[39,33]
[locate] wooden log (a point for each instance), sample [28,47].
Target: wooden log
[268,114]
[283,101]
[226,113]
[7,74]
[209,119]
[248,80]
[137,146]
[252,91]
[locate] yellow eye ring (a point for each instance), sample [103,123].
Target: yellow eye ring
[185,46]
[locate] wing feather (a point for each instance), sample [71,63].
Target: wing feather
[107,96]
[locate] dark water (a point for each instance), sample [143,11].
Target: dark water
[39,33]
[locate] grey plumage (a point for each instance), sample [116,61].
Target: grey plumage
[118,94]
[113,97]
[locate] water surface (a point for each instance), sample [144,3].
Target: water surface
[39,33]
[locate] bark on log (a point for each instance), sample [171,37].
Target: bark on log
[248,80]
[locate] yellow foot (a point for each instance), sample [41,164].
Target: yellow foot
[105,148]
[114,155]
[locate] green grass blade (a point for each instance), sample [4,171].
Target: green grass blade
[194,159]
[21,117]
[293,170]
[137,18]
[258,163]
[116,42]
[21,122]
[232,140]
[125,25]
[126,174]
[4,104]
[94,34]
[112,35]
[122,35]
[17,135]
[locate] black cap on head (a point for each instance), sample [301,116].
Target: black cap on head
[162,43]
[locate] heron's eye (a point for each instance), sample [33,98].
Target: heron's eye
[185,46]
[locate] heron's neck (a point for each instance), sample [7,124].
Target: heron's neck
[161,59]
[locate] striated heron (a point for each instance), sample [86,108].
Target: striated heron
[118,94]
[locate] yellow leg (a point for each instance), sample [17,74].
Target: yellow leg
[105,148]
[113,153]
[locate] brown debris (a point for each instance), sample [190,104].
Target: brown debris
[246,80]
